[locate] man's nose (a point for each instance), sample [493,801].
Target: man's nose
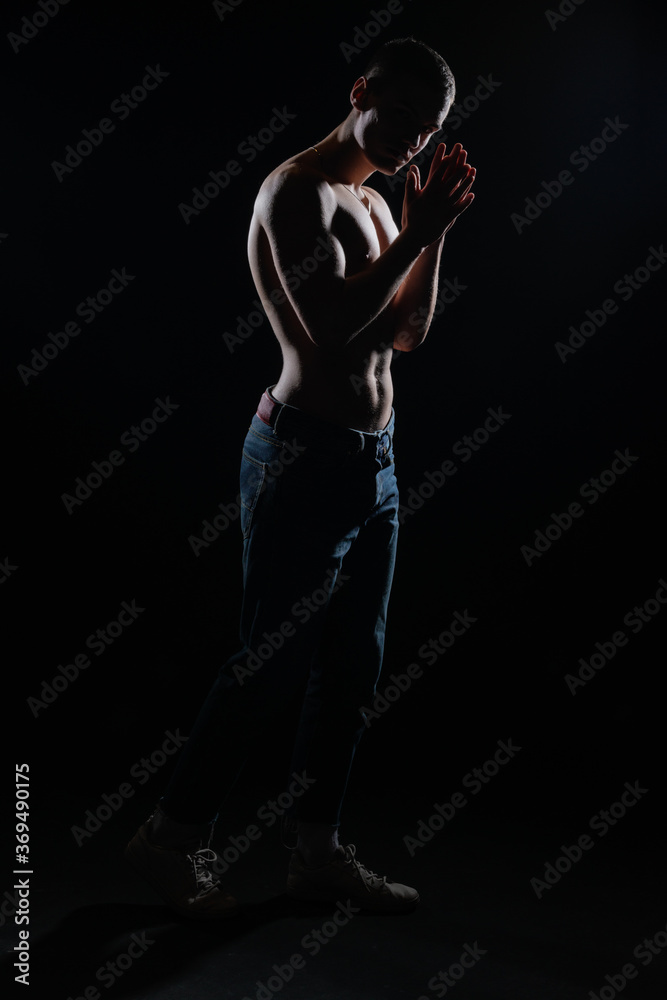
[412,141]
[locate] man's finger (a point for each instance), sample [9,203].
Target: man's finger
[462,192]
[464,203]
[465,185]
[413,178]
[451,162]
[438,157]
[460,189]
[461,173]
[441,156]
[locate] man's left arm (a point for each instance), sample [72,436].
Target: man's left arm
[414,303]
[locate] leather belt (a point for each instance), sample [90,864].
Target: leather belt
[266,408]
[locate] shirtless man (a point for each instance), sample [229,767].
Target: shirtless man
[348,315]
[319,513]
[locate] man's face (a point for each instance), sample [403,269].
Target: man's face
[394,125]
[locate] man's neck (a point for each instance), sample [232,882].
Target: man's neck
[342,157]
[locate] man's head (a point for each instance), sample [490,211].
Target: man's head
[401,100]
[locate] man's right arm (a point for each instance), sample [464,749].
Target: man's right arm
[297,213]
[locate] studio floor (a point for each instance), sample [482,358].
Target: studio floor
[483,929]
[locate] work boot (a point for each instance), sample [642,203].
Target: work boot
[176,859]
[345,878]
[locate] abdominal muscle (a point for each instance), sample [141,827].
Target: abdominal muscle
[350,386]
[363,403]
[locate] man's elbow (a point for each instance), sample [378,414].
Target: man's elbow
[410,330]
[406,340]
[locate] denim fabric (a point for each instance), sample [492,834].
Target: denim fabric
[319,519]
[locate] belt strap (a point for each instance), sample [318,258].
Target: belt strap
[265,409]
[266,412]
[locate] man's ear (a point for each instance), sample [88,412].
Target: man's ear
[359,94]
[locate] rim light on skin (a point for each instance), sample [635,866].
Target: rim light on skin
[382,132]
[347,185]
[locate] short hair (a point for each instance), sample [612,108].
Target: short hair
[410,57]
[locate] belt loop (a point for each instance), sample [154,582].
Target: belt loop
[276,414]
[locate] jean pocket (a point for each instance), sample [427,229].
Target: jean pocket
[252,481]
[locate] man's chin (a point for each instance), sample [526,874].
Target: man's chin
[390,166]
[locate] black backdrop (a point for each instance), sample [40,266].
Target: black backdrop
[547,89]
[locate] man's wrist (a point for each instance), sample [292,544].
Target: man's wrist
[411,242]
[436,246]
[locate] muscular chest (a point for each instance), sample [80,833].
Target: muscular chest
[363,236]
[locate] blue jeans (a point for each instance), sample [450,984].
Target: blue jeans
[319,518]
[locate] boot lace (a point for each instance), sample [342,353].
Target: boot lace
[365,874]
[289,832]
[204,877]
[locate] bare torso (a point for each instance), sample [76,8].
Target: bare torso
[352,386]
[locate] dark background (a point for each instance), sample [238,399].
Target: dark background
[163,337]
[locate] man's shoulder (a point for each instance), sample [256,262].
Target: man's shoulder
[293,179]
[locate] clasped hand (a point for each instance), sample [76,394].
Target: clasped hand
[430,211]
